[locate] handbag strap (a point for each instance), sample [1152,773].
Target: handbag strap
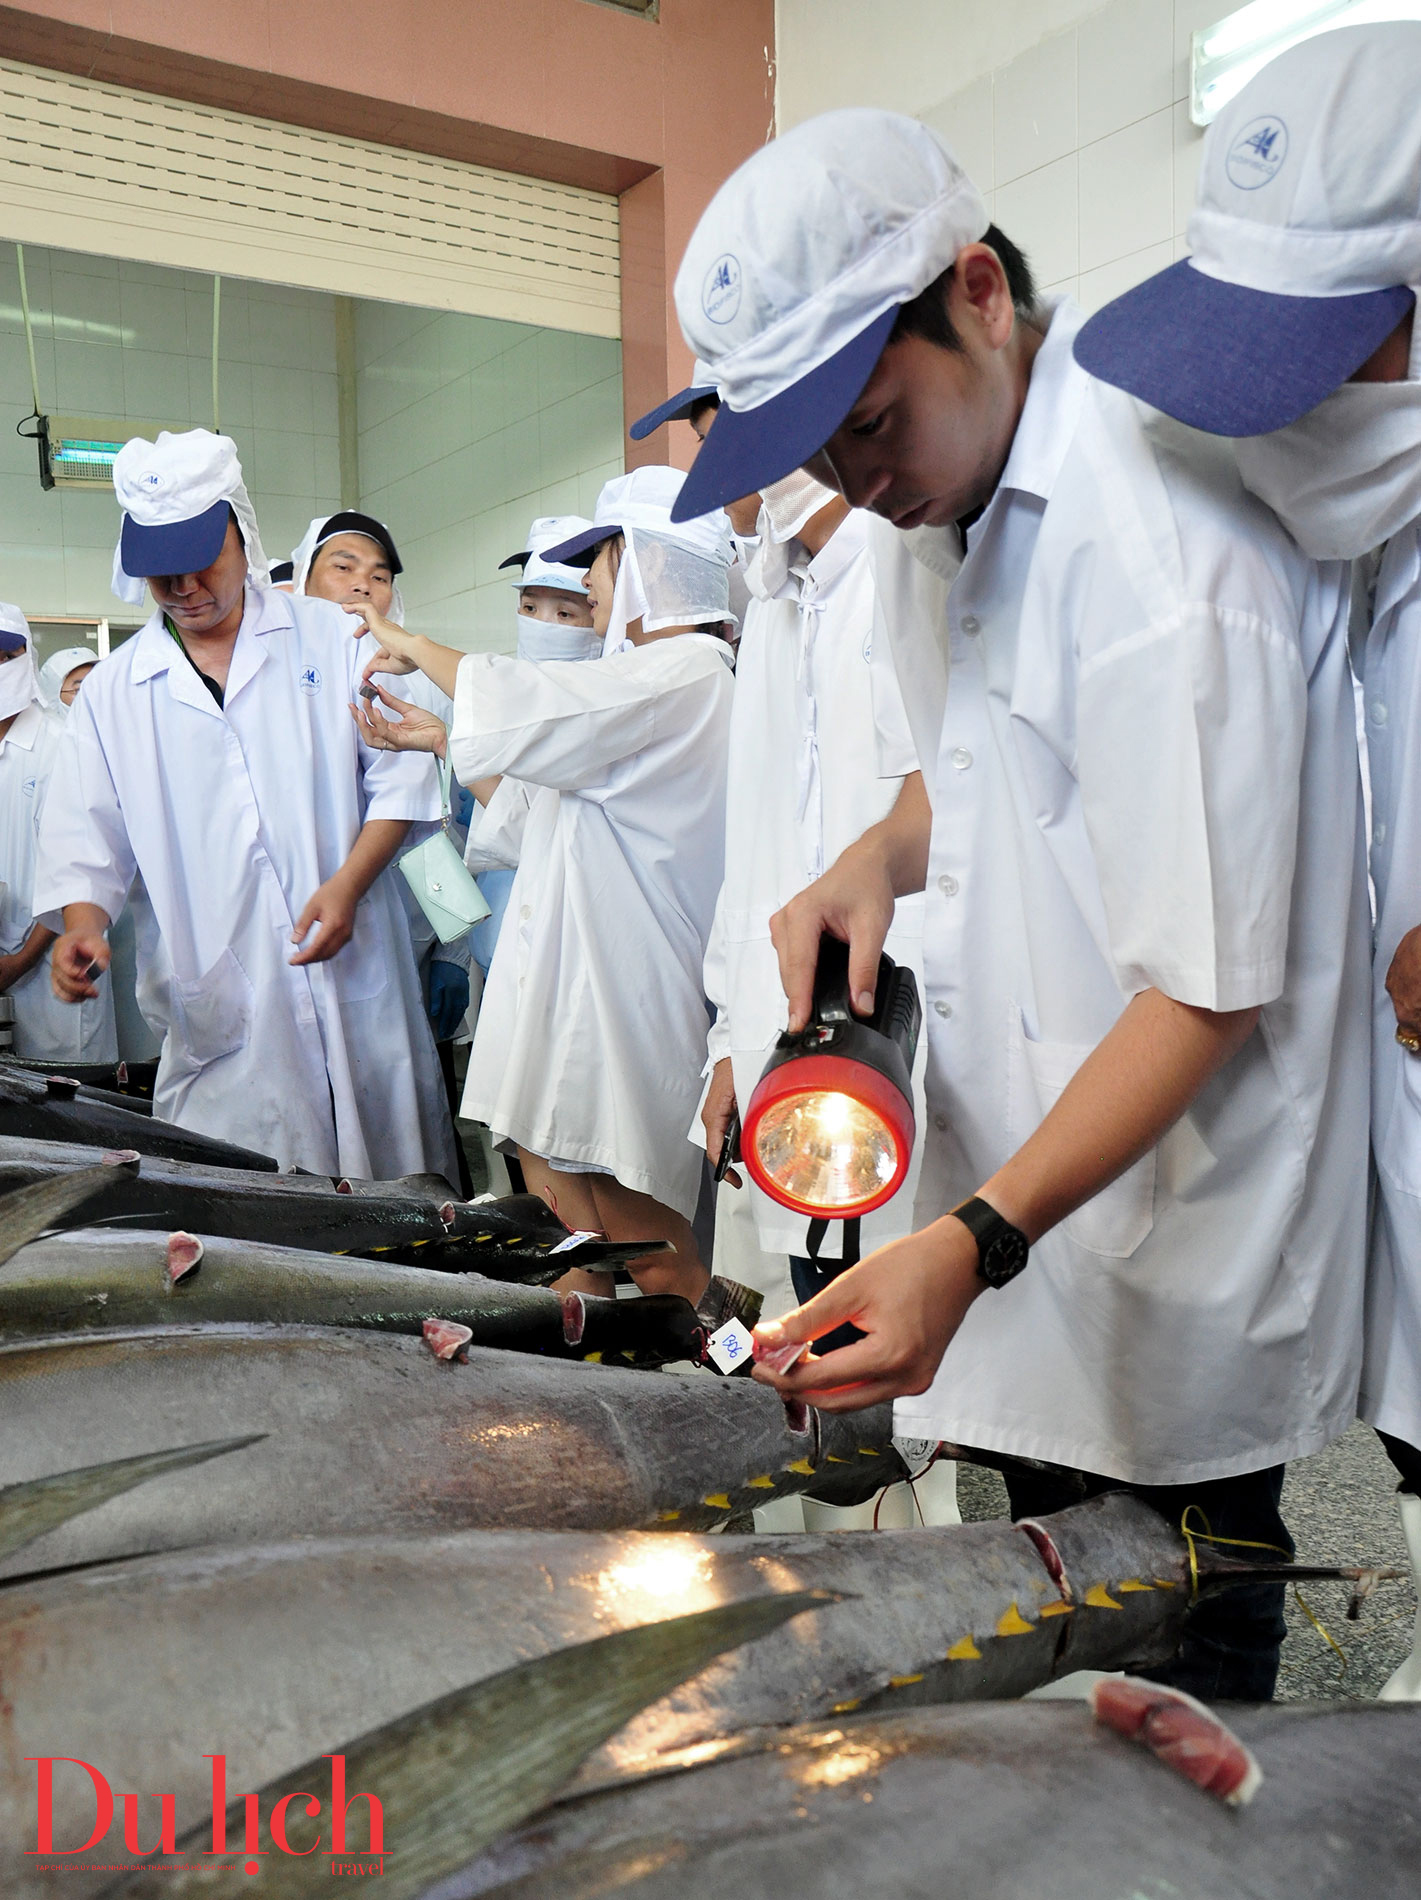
[446,778]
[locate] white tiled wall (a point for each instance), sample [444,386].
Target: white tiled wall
[117,339]
[1072,119]
[468,429]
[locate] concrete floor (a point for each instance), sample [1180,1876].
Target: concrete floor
[1340,1508]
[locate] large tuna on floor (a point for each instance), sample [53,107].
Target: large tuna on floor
[102,1279]
[36,1107]
[369,1432]
[999,1801]
[417,1220]
[147,1665]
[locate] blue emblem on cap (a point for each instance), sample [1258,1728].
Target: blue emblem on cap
[1256,155]
[309,679]
[721,297]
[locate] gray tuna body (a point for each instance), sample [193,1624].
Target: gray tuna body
[35,1107]
[1003,1801]
[99,1279]
[368,1432]
[411,1219]
[142,1666]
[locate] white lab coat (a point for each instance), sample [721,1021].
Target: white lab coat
[46,1030]
[592,1032]
[1148,777]
[1391,682]
[235,815]
[808,749]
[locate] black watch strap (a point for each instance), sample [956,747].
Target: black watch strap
[1002,1249]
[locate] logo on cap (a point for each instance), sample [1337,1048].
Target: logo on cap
[150,479]
[721,297]
[1256,155]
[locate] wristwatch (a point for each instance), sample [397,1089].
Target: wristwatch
[1001,1248]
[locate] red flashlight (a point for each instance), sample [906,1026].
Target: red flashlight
[829,1128]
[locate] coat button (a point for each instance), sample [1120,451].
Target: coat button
[962,758]
[526,912]
[948,886]
[971,624]
[939,1121]
[943,1009]
[1378,713]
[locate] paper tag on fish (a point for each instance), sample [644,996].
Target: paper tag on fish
[573,1240]
[731,1347]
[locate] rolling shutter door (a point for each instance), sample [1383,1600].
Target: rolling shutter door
[86,166]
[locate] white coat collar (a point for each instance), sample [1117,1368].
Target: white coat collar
[266,610]
[837,555]
[1048,420]
[29,722]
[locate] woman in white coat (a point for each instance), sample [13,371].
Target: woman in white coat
[44,1029]
[590,1045]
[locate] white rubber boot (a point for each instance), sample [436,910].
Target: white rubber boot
[783,1514]
[894,1507]
[1405,1684]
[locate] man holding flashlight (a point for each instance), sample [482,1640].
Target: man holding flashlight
[1145,976]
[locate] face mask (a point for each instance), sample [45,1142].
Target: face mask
[17,684]
[1346,476]
[546,640]
[789,504]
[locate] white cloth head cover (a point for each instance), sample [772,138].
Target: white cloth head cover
[315,537]
[57,669]
[672,574]
[550,531]
[817,234]
[18,682]
[1310,184]
[174,479]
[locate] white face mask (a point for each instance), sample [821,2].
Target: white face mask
[18,685]
[1346,476]
[547,640]
[790,504]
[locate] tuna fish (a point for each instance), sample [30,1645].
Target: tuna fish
[399,1220]
[457,1772]
[99,1279]
[59,1108]
[989,1801]
[90,1658]
[369,1432]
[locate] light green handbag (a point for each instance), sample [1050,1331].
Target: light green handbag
[443,884]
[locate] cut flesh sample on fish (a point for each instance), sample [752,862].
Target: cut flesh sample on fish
[184,1257]
[1183,1733]
[778,1359]
[446,1338]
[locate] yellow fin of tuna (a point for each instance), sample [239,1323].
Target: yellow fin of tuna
[1133,1583]
[902,1682]
[803,1466]
[760,1484]
[719,1500]
[965,1651]
[1059,1608]
[1013,1623]
[1099,1598]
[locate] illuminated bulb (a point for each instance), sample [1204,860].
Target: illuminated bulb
[826,1150]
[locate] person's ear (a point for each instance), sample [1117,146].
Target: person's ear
[980,298]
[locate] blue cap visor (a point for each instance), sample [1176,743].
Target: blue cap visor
[176,547]
[11,642]
[581,550]
[747,449]
[676,408]
[1230,360]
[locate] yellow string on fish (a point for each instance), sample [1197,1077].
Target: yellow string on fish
[1209,1536]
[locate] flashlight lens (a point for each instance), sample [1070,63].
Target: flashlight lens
[826,1149]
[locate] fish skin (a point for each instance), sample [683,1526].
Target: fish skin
[88,1658]
[391,1220]
[28,1211]
[369,1433]
[90,1279]
[29,1509]
[30,1111]
[1001,1801]
[459,1771]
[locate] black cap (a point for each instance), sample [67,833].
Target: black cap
[348,521]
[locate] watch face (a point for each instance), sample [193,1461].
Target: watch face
[1004,1256]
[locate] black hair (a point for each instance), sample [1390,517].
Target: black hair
[700,405]
[926,315]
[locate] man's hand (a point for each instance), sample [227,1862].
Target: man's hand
[75,955]
[414,731]
[396,646]
[716,1112]
[909,1299]
[333,908]
[1403,982]
[854,902]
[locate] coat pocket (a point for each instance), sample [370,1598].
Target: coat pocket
[1116,1221]
[212,1017]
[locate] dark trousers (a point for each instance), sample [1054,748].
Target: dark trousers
[811,1277]
[1229,1652]
[1406,1458]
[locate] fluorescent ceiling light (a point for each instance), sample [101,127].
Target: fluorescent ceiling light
[1227,55]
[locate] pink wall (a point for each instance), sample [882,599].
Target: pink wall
[658,111]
